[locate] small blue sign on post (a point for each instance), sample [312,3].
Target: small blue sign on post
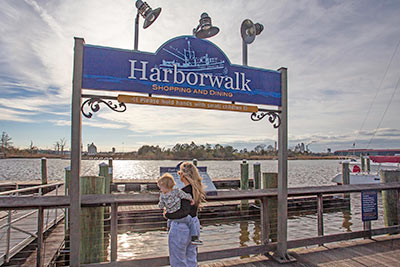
[185,67]
[369,205]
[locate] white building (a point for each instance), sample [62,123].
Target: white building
[92,150]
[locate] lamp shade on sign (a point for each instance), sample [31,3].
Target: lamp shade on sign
[249,30]
[205,28]
[147,13]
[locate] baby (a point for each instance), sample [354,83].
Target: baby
[170,199]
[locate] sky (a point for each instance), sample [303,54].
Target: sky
[343,63]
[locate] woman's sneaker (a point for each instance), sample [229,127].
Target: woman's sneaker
[196,241]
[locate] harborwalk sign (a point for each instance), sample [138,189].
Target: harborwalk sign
[184,67]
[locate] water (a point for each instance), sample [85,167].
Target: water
[301,172]
[218,236]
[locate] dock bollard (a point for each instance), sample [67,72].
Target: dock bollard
[390,197]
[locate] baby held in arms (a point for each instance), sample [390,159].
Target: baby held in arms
[170,199]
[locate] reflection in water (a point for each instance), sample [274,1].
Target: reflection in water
[347,220]
[244,236]
[257,233]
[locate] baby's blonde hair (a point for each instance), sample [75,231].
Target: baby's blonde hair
[166,180]
[192,175]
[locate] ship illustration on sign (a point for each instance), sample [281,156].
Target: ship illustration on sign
[186,60]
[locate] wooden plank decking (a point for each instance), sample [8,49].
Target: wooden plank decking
[20,239]
[379,251]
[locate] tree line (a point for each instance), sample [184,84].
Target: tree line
[202,152]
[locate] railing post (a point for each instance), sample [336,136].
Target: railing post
[368,165]
[114,231]
[265,229]
[55,212]
[7,256]
[367,227]
[320,214]
[39,255]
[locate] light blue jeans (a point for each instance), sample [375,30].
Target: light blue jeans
[194,230]
[181,252]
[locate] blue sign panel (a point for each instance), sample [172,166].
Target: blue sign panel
[369,205]
[185,66]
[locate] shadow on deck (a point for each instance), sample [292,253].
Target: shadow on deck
[380,251]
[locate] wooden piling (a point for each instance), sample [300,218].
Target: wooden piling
[104,172]
[244,180]
[257,179]
[92,222]
[111,170]
[390,197]
[270,180]
[362,163]
[368,165]
[44,170]
[257,175]
[345,173]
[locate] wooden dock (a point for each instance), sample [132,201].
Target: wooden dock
[24,227]
[379,251]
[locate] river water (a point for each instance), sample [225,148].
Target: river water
[215,236]
[301,172]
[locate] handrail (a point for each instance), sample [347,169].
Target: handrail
[30,188]
[152,198]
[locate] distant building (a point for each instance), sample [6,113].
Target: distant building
[371,152]
[92,149]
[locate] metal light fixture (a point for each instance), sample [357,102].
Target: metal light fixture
[149,16]
[205,28]
[248,31]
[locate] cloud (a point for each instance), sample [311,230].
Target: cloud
[336,54]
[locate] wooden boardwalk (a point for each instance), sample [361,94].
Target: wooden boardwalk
[379,251]
[25,230]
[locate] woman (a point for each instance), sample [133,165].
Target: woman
[182,252]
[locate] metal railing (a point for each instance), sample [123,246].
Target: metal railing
[115,201]
[10,224]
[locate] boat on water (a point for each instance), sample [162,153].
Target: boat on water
[373,177]
[187,60]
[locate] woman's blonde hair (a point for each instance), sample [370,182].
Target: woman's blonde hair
[166,180]
[191,174]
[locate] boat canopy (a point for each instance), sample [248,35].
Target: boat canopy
[382,159]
